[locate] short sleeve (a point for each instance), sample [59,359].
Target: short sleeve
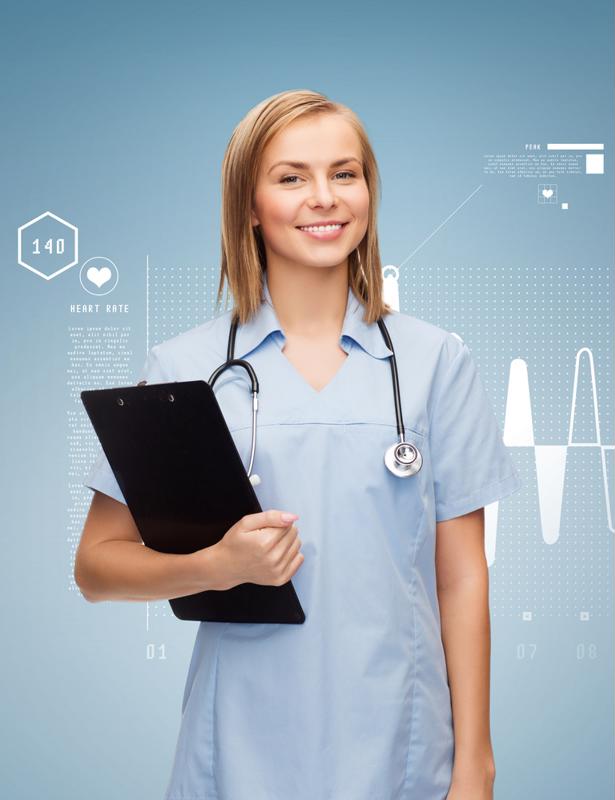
[470,462]
[100,476]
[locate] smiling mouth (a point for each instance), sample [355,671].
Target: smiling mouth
[323,227]
[323,233]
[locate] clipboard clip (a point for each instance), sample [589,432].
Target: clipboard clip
[141,383]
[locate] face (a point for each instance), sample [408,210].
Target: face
[317,191]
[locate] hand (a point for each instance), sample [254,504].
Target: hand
[260,548]
[472,783]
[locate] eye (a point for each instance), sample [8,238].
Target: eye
[289,178]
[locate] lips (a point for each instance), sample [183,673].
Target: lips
[324,235]
[318,224]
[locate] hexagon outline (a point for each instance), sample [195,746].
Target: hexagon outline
[31,222]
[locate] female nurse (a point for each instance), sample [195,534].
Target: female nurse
[383,692]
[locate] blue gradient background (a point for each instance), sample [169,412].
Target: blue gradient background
[115,118]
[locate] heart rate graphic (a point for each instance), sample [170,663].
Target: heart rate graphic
[99,275]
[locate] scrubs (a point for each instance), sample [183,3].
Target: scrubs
[354,704]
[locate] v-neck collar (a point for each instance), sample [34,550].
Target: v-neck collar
[265,322]
[343,368]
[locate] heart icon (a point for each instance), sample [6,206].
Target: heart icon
[99,276]
[547,193]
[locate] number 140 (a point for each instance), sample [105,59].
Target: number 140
[49,247]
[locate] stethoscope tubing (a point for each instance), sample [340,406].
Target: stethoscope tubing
[396,457]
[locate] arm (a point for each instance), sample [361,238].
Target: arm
[463,596]
[112,563]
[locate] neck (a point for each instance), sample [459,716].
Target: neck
[309,301]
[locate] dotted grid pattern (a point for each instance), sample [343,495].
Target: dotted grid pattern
[180,297]
[543,315]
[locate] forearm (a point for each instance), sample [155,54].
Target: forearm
[466,636]
[128,570]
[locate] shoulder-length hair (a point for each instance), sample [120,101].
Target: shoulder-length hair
[243,251]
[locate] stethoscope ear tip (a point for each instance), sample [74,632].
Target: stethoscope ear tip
[254,479]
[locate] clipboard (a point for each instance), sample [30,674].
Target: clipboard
[185,484]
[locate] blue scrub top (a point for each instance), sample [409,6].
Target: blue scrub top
[354,704]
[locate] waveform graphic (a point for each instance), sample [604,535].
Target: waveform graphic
[550,459]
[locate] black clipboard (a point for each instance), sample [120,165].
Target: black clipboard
[184,482]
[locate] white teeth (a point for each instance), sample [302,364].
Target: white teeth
[321,228]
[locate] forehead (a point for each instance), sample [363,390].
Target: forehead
[316,139]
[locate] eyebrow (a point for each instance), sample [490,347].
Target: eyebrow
[303,165]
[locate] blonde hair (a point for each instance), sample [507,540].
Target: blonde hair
[243,251]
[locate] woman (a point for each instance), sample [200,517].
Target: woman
[358,702]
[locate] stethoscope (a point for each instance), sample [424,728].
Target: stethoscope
[402,458]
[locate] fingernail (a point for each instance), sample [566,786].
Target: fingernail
[286,517]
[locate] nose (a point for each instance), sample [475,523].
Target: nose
[323,194]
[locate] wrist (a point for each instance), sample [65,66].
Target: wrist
[208,568]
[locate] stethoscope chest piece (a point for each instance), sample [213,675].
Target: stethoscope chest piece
[403,459]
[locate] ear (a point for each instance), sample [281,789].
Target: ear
[254,219]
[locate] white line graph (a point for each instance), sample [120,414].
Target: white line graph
[551,458]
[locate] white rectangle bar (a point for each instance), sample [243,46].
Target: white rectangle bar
[572,146]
